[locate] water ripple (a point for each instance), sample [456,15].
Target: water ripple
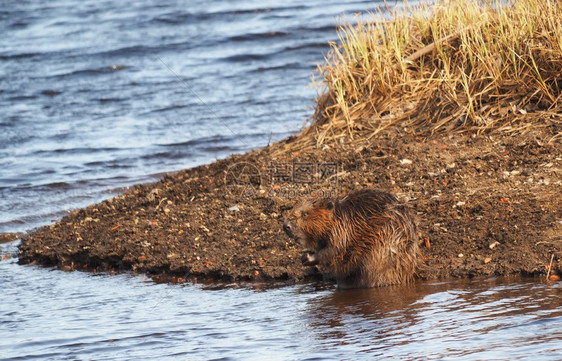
[95,79]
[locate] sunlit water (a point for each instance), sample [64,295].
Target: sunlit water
[53,315]
[99,95]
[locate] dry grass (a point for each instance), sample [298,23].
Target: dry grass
[454,65]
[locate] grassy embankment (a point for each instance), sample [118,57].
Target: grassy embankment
[471,66]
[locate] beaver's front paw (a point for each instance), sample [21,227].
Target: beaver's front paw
[309,259]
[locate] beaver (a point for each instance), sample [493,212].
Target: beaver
[365,239]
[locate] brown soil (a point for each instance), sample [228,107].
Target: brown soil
[9,237]
[486,205]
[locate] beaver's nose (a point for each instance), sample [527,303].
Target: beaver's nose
[287,227]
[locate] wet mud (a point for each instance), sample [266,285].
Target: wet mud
[485,205]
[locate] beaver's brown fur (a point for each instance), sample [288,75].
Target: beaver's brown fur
[365,239]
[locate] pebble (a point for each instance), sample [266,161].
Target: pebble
[234,208]
[152,195]
[493,245]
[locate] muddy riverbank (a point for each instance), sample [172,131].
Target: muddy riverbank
[486,205]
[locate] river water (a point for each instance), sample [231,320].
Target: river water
[54,315]
[98,95]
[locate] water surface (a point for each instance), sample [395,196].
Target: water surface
[99,95]
[48,314]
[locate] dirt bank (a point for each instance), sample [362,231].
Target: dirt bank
[486,205]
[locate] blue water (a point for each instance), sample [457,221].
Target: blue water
[54,315]
[97,95]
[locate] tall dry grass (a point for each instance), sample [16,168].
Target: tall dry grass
[450,65]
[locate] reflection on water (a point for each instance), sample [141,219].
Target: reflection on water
[487,319]
[53,315]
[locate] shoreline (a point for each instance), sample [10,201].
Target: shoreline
[486,205]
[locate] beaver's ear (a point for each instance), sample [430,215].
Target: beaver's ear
[330,205]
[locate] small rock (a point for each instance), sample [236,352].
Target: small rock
[234,208]
[461,255]
[405,161]
[492,245]
[487,260]
[152,195]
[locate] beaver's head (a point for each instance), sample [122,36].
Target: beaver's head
[310,221]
